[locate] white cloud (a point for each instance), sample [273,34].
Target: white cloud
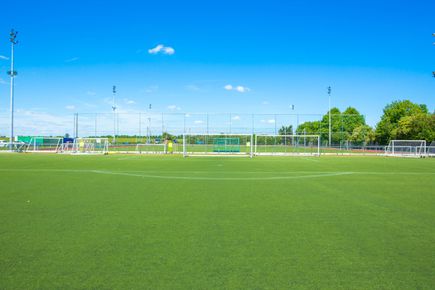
[89,105]
[151,89]
[37,122]
[198,122]
[70,107]
[265,103]
[236,118]
[91,93]
[3,82]
[129,102]
[174,108]
[271,121]
[162,49]
[193,88]
[72,59]
[168,50]
[240,89]
[4,57]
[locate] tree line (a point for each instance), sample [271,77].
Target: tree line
[401,120]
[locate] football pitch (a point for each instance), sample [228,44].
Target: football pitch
[167,222]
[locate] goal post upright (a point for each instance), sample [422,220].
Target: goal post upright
[184,145]
[252,146]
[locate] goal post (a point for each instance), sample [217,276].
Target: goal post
[91,146]
[430,150]
[287,145]
[151,148]
[44,144]
[406,148]
[218,145]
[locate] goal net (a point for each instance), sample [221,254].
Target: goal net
[430,150]
[44,144]
[406,148]
[218,144]
[91,146]
[13,147]
[283,145]
[151,148]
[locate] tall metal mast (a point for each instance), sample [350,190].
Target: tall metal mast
[12,73]
[433,73]
[149,125]
[329,95]
[114,114]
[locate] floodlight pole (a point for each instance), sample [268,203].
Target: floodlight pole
[329,97]
[149,125]
[297,120]
[12,73]
[433,73]
[114,114]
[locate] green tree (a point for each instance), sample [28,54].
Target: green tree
[362,135]
[342,125]
[352,119]
[286,130]
[388,127]
[167,136]
[310,128]
[416,127]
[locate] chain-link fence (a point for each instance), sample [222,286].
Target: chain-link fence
[149,126]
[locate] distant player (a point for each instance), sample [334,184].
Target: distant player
[170,145]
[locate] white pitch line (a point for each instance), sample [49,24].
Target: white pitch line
[142,175]
[220,178]
[214,171]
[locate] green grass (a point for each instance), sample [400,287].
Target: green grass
[164,222]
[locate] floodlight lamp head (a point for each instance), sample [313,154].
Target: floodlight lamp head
[13,36]
[114,89]
[12,73]
[433,74]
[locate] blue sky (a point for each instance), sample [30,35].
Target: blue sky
[272,54]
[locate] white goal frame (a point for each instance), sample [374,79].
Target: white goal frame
[250,139]
[89,147]
[409,148]
[55,147]
[259,152]
[151,145]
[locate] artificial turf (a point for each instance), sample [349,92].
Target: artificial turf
[167,222]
